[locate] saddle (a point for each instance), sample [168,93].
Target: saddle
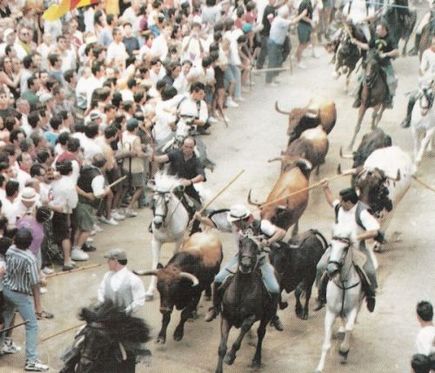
[358,260]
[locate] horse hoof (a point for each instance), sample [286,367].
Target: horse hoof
[340,335]
[178,337]
[305,316]
[161,340]
[343,355]
[229,359]
[256,364]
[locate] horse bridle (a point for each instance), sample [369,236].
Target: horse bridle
[429,96]
[162,195]
[343,240]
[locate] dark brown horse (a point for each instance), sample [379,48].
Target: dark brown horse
[245,301]
[374,92]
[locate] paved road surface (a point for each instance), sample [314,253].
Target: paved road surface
[382,341]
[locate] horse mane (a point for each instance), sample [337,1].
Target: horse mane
[165,182]
[120,326]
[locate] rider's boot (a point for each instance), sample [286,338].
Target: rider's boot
[414,51]
[368,290]
[321,298]
[213,311]
[407,121]
[275,321]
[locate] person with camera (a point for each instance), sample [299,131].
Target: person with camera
[193,109]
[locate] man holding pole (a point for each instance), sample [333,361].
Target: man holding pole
[356,218]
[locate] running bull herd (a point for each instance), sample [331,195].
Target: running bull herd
[382,174]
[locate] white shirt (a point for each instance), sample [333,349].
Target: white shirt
[160,47]
[90,148]
[425,342]
[190,107]
[162,130]
[346,220]
[97,185]
[358,11]
[116,52]
[427,64]
[64,194]
[117,279]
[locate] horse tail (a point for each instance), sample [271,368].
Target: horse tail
[321,238]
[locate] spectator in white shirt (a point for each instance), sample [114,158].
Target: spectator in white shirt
[425,342]
[88,143]
[159,48]
[9,203]
[116,51]
[64,201]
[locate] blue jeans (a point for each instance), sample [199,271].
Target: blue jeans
[24,304]
[267,274]
[275,56]
[233,74]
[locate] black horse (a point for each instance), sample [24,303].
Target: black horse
[296,263]
[374,92]
[110,341]
[245,301]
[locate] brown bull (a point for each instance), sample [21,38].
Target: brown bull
[287,211]
[189,272]
[310,116]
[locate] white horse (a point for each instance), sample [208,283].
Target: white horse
[423,122]
[170,220]
[344,295]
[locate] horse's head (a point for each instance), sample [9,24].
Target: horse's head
[162,198]
[248,249]
[426,98]
[372,66]
[340,245]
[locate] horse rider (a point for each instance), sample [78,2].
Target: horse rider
[353,215]
[387,50]
[427,72]
[428,17]
[184,164]
[360,13]
[244,223]
[120,285]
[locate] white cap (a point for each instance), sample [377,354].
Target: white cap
[238,212]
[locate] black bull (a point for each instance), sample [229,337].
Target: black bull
[296,264]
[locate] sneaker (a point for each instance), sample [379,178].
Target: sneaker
[43,290]
[212,119]
[89,240]
[272,84]
[87,247]
[47,270]
[129,213]
[110,221]
[335,74]
[240,99]
[79,255]
[9,347]
[97,228]
[231,103]
[118,216]
[68,267]
[35,366]
[302,66]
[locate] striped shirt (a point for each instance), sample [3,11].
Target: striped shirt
[21,270]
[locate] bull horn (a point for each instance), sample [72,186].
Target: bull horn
[279,110]
[190,277]
[350,171]
[345,156]
[274,159]
[250,201]
[397,178]
[311,113]
[146,273]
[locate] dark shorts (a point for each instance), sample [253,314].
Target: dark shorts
[84,217]
[304,32]
[61,227]
[219,77]
[137,180]
[113,175]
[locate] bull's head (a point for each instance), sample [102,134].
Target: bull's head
[299,119]
[169,281]
[373,187]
